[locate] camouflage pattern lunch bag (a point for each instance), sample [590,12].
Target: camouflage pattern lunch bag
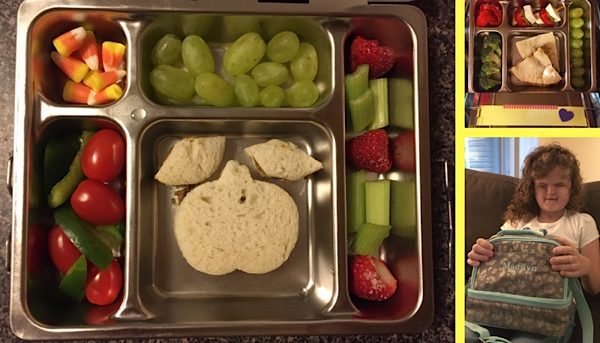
[517,288]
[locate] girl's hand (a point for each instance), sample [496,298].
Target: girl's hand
[571,263]
[481,251]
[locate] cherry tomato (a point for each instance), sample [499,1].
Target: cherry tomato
[546,18]
[104,156]
[96,203]
[520,17]
[37,249]
[62,251]
[103,286]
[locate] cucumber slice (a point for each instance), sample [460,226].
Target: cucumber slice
[355,200]
[401,106]
[67,185]
[381,116]
[362,110]
[377,202]
[81,233]
[358,82]
[369,238]
[73,283]
[404,209]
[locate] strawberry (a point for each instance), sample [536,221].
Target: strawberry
[370,152]
[403,151]
[379,58]
[370,278]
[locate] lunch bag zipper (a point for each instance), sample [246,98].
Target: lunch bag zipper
[521,299]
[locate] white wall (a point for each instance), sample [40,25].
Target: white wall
[587,151]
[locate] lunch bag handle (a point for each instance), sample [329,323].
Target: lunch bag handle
[484,334]
[585,315]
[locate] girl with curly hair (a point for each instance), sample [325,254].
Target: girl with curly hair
[548,199]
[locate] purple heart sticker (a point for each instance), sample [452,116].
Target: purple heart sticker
[565,115]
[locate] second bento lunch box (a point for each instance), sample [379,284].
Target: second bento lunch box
[574,40]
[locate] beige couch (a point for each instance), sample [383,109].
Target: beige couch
[487,196]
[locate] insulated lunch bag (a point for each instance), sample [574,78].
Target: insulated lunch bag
[517,288]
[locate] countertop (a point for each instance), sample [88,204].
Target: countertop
[440,17]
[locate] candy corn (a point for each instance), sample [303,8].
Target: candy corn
[77,93]
[112,55]
[89,51]
[98,80]
[69,41]
[110,93]
[72,67]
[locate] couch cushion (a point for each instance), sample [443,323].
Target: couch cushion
[592,200]
[487,196]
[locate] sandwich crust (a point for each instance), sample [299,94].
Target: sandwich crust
[284,160]
[191,161]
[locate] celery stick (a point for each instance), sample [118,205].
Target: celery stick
[355,200]
[377,202]
[401,100]
[404,209]
[357,82]
[369,238]
[362,110]
[381,117]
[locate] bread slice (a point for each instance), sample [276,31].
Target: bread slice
[284,160]
[536,70]
[236,222]
[191,161]
[546,41]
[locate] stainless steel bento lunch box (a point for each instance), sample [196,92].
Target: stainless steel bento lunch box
[162,295]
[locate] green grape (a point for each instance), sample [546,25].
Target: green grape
[575,12]
[244,54]
[166,51]
[576,33]
[303,94]
[305,64]
[576,43]
[269,73]
[586,34]
[272,96]
[246,90]
[577,81]
[174,83]
[197,56]
[576,62]
[576,52]
[283,47]
[216,91]
[576,23]
[577,71]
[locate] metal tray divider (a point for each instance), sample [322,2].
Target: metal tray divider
[131,308]
[342,304]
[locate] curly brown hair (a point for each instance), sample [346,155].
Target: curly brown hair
[538,164]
